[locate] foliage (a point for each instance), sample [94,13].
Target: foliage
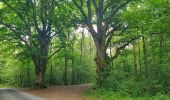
[104,94]
[130,48]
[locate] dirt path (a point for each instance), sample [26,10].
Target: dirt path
[14,94]
[61,92]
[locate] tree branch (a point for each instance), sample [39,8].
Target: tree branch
[15,31]
[81,9]
[111,34]
[115,10]
[55,52]
[19,15]
[122,46]
[35,18]
[52,8]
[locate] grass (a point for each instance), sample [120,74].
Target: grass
[103,94]
[6,86]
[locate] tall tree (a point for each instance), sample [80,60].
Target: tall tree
[34,24]
[100,18]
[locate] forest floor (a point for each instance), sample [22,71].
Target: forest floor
[73,92]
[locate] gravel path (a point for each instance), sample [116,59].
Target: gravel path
[14,94]
[74,92]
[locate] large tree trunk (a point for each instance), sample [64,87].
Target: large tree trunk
[39,83]
[41,65]
[40,59]
[101,64]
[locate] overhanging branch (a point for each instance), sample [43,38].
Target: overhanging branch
[20,16]
[55,52]
[122,46]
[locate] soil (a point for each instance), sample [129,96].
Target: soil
[74,92]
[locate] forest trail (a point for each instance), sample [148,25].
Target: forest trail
[15,94]
[73,92]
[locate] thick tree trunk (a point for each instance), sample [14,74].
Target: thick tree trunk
[40,59]
[39,83]
[40,69]
[101,64]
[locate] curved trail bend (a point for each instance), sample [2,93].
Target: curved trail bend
[74,92]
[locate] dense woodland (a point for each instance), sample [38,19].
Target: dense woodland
[122,46]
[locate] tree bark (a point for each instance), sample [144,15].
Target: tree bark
[101,64]
[39,79]
[40,59]
[40,72]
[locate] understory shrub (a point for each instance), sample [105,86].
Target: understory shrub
[127,84]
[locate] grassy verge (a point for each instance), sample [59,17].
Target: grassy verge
[103,94]
[7,86]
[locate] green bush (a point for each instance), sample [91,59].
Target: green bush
[128,84]
[105,94]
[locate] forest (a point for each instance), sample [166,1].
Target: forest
[118,49]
